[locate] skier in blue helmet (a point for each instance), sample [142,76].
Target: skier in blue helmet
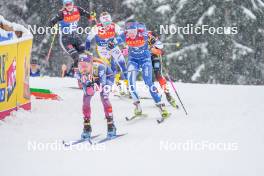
[136,37]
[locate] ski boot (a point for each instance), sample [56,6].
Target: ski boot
[123,89]
[171,100]
[122,92]
[164,112]
[111,129]
[126,89]
[138,109]
[87,130]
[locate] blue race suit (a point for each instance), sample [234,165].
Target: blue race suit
[139,58]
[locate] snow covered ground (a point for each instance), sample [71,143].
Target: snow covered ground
[223,135]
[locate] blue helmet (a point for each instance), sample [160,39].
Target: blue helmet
[131,24]
[67,1]
[134,25]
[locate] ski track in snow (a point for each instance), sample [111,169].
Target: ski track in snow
[217,113]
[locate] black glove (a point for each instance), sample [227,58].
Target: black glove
[152,41]
[111,45]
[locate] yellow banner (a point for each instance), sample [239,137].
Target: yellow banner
[14,76]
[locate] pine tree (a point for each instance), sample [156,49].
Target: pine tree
[229,59]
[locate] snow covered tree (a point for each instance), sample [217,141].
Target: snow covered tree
[208,58]
[14,10]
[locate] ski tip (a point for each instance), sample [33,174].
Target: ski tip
[160,121]
[111,138]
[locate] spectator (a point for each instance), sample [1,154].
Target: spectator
[8,31]
[34,68]
[4,35]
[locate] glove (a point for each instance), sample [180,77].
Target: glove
[152,41]
[125,52]
[87,45]
[111,45]
[92,16]
[87,85]
[51,23]
[86,81]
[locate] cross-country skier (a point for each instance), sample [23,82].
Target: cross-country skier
[94,71]
[156,48]
[136,38]
[105,32]
[68,19]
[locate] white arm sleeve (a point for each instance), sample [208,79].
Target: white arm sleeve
[92,33]
[118,30]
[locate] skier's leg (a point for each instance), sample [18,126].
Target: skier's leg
[147,77]
[120,60]
[158,75]
[111,77]
[106,104]
[87,106]
[87,116]
[162,81]
[67,43]
[111,129]
[103,54]
[79,45]
[132,77]
[117,76]
[113,66]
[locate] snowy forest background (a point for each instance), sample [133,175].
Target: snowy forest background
[223,59]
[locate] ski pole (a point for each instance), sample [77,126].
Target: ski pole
[112,74]
[174,88]
[52,43]
[121,72]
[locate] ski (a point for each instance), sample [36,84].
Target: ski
[145,98]
[76,88]
[71,143]
[177,107]
[128,97]
[135,116]
[112,138]
[174,105]
[163,119]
